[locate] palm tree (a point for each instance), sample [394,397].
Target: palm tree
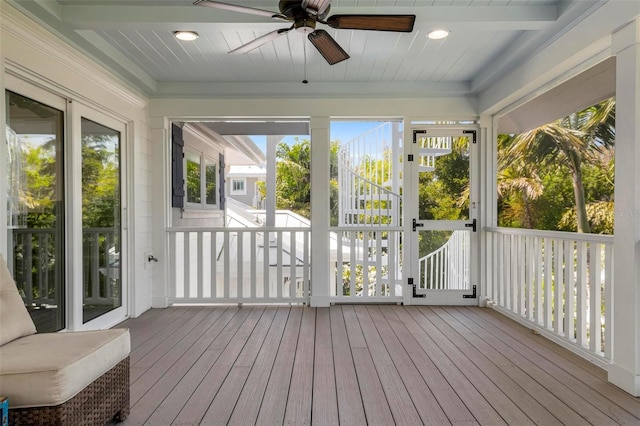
[569,141]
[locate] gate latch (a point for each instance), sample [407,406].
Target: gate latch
[468,225]
[417,225]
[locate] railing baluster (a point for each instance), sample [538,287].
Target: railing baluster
[226,249]
[239,264]
[352,264]
[500,271]
[595,293]
[307,266]
[608,294]
[214,264]
[200,266]
[548,284]
[538,283]
[378,240]
[522,265]
[569,292]
[265,264]
[279,279]
[254,267]
[581,302]
[292,264]
[558,304]
[365,264]
[531,276]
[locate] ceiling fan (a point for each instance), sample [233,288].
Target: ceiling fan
[305,14]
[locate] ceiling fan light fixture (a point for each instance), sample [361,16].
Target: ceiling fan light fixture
[438,34]
[186,35]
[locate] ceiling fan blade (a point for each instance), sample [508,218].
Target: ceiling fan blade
[319,6]
[240,9]
[328,47]
[398,23]
[254,44]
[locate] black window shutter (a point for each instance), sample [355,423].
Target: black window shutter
[221,185]
[177,168]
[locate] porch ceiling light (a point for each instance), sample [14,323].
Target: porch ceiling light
[186,35]
[438,34]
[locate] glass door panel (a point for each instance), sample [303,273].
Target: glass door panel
[101,230]
[35,203]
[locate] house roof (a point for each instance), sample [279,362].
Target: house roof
[246,171]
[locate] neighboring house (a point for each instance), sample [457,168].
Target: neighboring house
[207,173]
[242,184]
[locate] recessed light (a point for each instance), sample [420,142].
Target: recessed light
[438,34]
[186,35]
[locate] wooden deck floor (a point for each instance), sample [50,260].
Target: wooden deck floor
[356,365]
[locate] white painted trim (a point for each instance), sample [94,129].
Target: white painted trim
[624,379]
[35,36]
[320,244]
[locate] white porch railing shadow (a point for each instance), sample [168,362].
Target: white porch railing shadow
[239,265]
[560,283]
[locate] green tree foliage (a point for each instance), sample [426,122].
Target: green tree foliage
[293,177]
[574,144]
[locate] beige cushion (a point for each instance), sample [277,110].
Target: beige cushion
[14,319]
[51,368]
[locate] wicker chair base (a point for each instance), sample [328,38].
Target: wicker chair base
[106,399]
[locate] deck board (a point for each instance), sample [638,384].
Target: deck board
[353,365]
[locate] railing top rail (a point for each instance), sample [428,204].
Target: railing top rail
[362,136]
[257,229]
[559,235]
[365,227]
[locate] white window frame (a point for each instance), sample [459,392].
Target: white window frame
[233,191]
[202,205]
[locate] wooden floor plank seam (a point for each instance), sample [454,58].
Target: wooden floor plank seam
[534,365]
[567,378]
[360,365]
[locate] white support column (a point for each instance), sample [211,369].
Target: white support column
[487,210]
[270,205]
[161,173]
[624,372]
[320,263]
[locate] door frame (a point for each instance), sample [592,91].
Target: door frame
[410,212]
[73,111]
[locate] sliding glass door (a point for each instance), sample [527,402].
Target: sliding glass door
[35,202]
[101,236]
[65,203]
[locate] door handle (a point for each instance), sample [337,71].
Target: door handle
[468,225]
[417,225]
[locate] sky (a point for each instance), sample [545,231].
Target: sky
[343,131]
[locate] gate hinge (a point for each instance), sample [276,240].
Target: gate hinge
[410,157]
[471,132]
[472,295]
[416,133]
[415,225]
[415,294]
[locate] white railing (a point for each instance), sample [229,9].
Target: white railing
[36,265]
[447,268]
[558,282]
[369,177]
[236,265]
[368,265]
